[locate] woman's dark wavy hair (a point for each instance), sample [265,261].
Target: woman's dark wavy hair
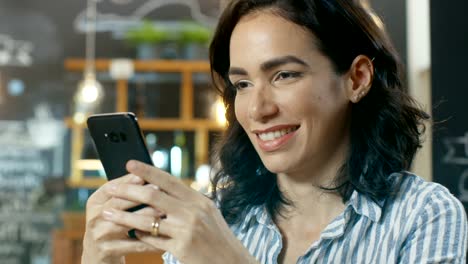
[386,125]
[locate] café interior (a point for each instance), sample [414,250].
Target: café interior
[62,61]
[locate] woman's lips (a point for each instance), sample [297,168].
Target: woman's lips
[274,138]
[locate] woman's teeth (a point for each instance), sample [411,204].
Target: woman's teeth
[276,134]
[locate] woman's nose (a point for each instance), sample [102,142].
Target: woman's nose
[262,105]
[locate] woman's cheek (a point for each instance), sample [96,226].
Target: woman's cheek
[240,106]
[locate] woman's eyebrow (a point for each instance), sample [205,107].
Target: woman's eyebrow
[270,64]
[273,63]
[237,71]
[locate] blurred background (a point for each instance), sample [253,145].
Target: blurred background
[61,60]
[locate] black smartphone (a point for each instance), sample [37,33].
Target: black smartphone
[117,138]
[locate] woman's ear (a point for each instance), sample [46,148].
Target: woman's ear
[361,75]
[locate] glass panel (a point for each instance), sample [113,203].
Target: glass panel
[172,149]
[90,164]
[204,95]
[108,100]
[155,95]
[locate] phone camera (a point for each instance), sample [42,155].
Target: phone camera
[114,137]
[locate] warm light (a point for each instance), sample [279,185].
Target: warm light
[220,112]
[89,164]
[89,90]
[79,118]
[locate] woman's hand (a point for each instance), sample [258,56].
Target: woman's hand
[193,229]
[105,241]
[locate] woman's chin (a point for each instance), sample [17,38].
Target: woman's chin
[280,163]
[276,168]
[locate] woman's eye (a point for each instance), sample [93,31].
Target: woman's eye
[286,75]
[239,85]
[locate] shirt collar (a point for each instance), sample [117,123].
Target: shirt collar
[365,206]
[256,214]
[359,203]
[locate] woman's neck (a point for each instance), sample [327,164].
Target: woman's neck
[310,200]
[305,187]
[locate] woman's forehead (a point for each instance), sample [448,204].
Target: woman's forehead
[268,35]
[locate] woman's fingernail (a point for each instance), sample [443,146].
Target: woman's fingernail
[107,214]
[155,187]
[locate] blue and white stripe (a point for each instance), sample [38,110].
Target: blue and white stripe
[423,223]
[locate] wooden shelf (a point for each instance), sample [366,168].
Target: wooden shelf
[75,64]
[186,120]
[164,124]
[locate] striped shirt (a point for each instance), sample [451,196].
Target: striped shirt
[423,223]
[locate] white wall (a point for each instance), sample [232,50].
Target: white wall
[419,74]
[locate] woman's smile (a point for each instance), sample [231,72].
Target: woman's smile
[274,138]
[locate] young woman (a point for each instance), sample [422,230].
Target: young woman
[320,136]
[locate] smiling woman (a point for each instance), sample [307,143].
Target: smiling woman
[314,161]
[321,135]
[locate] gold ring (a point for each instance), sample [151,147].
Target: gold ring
[155,227]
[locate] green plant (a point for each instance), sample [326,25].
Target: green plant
[147,33]
[192,32]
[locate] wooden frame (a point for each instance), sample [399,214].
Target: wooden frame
[186,121]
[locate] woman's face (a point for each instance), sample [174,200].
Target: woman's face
[290,102]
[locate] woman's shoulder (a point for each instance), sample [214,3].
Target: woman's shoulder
[429,219]
[421,197]
[413,187]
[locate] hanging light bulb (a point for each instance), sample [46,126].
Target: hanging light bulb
[90,91]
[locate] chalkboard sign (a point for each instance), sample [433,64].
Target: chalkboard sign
[449,37]
[27,213]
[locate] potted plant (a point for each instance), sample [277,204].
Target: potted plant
[149,40]
[194,38]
